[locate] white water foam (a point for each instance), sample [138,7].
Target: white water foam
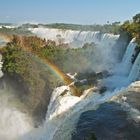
[75,37]
[120,74]
[13,123]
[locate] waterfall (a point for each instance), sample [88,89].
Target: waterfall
[87,102]
[121,71]
[106,46]
[135,71]
[126,64]
[63,113]
[75,38]
[13,122]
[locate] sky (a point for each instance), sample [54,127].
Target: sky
[68,11]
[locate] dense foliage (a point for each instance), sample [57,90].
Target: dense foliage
[106,28]
[65,58]
[22,59]
[133,28]
[35,83]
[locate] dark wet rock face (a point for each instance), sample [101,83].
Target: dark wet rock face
[84,81]
[92,76]
[108,122]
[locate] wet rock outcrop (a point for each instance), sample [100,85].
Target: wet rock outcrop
[118,119]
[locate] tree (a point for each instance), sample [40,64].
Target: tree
[136,18]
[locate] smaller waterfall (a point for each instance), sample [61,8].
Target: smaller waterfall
[13,122]
[106,45]
[108,39]
[121,71]
[135,71]
[130,50]
[126,64]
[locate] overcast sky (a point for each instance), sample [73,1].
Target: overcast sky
[68,11]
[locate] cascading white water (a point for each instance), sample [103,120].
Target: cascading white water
[106,46]
[89,101]
[63,112]
[75,38]
[13,123]
[126,64]
[122,70]
[135,71]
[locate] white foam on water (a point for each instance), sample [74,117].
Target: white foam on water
[13,122]
[72,36]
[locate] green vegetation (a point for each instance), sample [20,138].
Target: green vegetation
[17,31]
[67,59]
[30,77]
[23,66]
[107,28]
[133,28]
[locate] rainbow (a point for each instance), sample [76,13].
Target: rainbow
[53,68]
[57,72]
[62,76]
[65,78]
